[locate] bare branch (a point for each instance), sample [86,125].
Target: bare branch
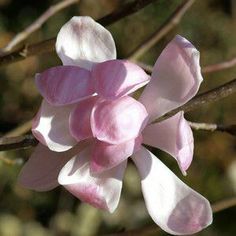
[204,98]
[52,10]
[10,143]
[21,129]
[165,28]
[223,204]
[231,129]
[219,66]
[49,45]
[124,11]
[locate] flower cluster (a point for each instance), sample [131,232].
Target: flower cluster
[89,99]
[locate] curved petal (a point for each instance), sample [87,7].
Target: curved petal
[175,79]
[101,191]
[118,121]
[117,78]
[64,85]
[83,42]
[51,127]
[41,171]
[79,121]
[173,136]
[174,206]
[106,156]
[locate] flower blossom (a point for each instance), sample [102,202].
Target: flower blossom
[89,98]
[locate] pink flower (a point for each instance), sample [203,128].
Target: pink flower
[88,98]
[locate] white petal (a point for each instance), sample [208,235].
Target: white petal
[51,127]
[174,206]
[101,191]
[175,79]
[83,42]
[41,171]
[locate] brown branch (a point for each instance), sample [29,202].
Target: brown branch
[231,129]
[126,10]
[49,45]
[10,143]
[219,66]
[52,10]
[223,204]
[204,98]
[21,129]
[165,28]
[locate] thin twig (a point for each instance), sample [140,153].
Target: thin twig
[49,45]
[21,129]
[204,98]
[223,204]
[11,143]
[231,129]
[219,66]
[205,69]
[52,10]
[165,28]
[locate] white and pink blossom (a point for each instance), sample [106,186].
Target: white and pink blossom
[89,98]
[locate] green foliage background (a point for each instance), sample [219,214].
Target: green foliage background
[210,26]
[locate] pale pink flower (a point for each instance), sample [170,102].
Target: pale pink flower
[88,98]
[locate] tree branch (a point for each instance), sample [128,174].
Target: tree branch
[231,129]
[201,99]
[49,45]
[219,66]
[10,143]
[165,28]
[52,10]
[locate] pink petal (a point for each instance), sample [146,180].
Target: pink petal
[51,127]
[117,78]
[173,136]
[118,121]
[101,191]
[83,42]
[106,156]
[63,85]
[41,171]
[175,79]
[175,207]
[80,127]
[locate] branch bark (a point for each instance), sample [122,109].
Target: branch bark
[165,28]
[49,45]
[231,129]
[52,10]
[201,99]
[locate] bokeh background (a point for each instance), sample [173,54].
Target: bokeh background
[210,25]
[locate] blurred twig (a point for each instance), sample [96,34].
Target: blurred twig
[231,129]
[223,204]
[21,129]
[52,10]
[10,143]
[219,66]
[205,69]
[203,98]
[49,45]
[165,28]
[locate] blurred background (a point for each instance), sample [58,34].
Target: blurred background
[210,26]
